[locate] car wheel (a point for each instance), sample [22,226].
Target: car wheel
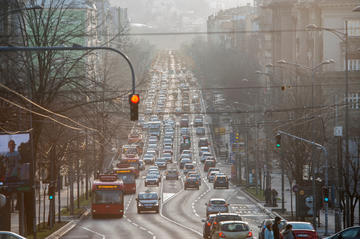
[145,184]
[198,188]
[227,187]
[184,187]
[157,210]
[138,211]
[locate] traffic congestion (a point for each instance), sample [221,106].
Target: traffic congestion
[167,182]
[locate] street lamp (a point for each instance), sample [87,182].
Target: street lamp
[344,37]
[313,71]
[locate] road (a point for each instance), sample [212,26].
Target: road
[181,210]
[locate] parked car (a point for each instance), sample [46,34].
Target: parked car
[233,229]
[216,205]
[347,233]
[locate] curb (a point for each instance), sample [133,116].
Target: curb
[68,226]
[259,205]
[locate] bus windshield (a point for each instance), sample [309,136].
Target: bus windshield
[127,178]
[107,197]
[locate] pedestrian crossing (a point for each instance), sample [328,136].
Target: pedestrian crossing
[246,210]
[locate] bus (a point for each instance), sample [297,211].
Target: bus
[127,175]
[136,139]
[107,196]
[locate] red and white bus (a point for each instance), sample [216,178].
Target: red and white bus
[127,175]
[129,158]
[107,196]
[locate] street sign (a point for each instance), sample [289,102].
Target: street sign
[295,188]
[338,131]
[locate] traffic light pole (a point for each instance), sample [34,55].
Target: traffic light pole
[326,169]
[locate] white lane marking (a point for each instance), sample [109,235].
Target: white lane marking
[167,196]
[170,220]
[99,234]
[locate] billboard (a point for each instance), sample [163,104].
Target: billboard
[15,161]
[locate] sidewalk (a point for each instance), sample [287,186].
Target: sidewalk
[64,198]
[276,184]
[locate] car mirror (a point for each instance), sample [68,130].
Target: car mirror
[203,220]
[206,204]
[159,198]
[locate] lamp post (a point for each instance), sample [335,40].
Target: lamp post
[313,71]
[344,37]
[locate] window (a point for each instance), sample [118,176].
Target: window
[354,27]
[351,233]
[106,197]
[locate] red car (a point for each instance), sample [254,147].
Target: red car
[304,230]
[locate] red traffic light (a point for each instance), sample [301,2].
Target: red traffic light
[135,99]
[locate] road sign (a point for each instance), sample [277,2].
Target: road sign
[338,131]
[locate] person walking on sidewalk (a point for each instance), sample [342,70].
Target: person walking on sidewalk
[288,233]
[275,228]
[268,233]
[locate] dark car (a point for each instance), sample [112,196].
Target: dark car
[208,164]
[148,201]
[172,173]
[221,181]
[347,233]
[207,224]
[191,182]
[220,217]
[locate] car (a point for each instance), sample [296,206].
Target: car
[185,155]
[304,230]
[347,233]
[168,149]
[194,174]
[216,205]
[212,176]
[161,163]
[207,223]
[221,181]
[167,157]
[203,142]
[198,122]
[211,170]
[208,164]
[10,235]
[172,173]
[232,229]
[151,179]
[200,131]
[183,162]
[155,172]
[204,156]
[203,150]
[184,131]
[149,158]
[191,182]
[262,227]
[186,151]
[148,201]
[220,217]
[188,167]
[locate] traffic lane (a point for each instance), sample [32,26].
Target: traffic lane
[156,223]
[181,208]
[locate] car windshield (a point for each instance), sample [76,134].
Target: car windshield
[189,166]
[302,226]
[127,178]
[147,196]
[151,176]
[234,227]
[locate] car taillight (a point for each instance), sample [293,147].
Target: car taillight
[221,235]
[250,234]
[215,223]
[209,224]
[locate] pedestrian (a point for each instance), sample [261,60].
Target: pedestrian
[288,233]
[268,233]
[275,227]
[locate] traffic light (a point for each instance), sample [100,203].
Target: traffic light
[325,194]
[134,100]
[51,192]
[278,140]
